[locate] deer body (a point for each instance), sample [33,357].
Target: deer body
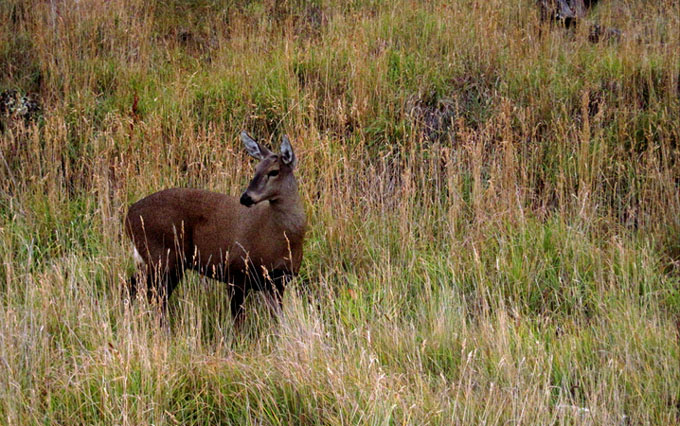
[254,243]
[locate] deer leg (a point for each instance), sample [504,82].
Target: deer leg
[139,281]
[274,295]
[160,278]
[274,301]
[130,288]
[168,284]
[236,305]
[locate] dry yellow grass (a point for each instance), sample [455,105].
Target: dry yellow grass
[493,205]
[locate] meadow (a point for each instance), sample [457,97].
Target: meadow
[493,206]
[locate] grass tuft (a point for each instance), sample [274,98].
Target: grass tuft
[493,206]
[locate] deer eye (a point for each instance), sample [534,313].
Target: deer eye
[273,173]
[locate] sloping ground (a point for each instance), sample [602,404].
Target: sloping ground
[493,206]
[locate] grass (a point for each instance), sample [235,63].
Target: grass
[493,204]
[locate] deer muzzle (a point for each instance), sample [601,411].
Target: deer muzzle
[246,200]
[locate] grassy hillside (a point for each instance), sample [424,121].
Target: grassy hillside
[494,211]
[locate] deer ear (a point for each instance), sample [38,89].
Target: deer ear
[287,154]
[253,148]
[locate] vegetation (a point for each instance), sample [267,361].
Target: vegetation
[493,202]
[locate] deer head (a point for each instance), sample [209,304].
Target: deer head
[273,178]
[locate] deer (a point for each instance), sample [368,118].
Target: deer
[252,243]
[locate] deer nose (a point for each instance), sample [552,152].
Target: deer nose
[246,200]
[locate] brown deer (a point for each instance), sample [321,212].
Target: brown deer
[254,243]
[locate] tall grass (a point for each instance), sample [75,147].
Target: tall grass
[493,204]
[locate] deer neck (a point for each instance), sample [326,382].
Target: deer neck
[288,213]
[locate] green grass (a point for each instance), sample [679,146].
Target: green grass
[493,205]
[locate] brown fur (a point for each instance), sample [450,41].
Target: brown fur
[251,248]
